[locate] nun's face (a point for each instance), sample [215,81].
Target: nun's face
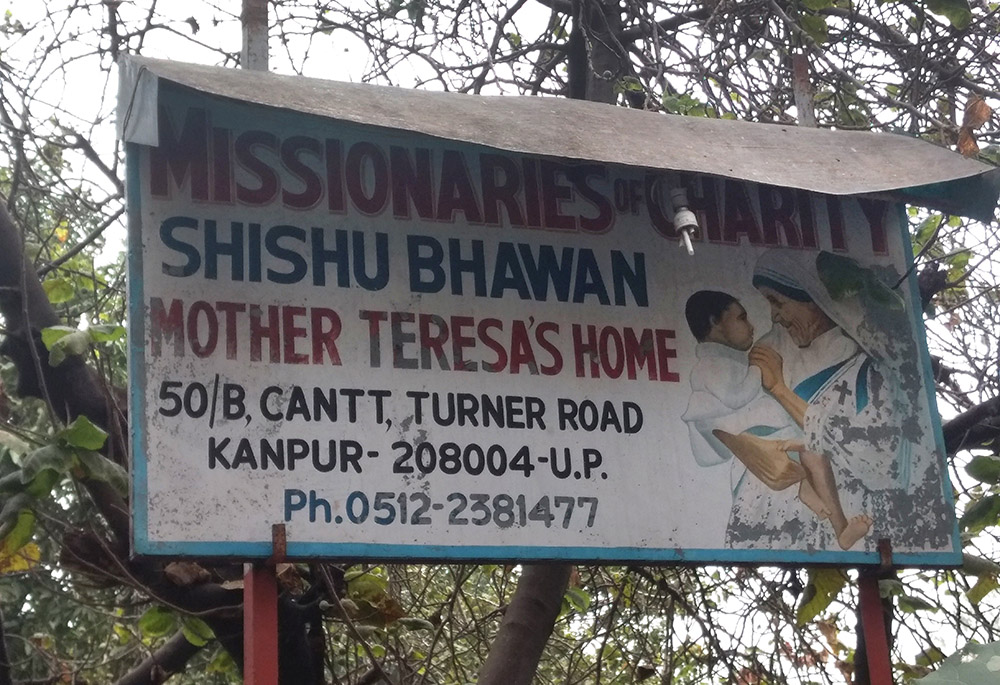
[804,321]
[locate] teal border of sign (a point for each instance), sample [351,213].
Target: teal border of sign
[143,546]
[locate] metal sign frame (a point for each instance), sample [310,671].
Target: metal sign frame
[613,225]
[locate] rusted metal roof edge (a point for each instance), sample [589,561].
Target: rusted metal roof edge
[835,162]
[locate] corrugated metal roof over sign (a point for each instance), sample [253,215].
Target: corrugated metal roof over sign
[835,162]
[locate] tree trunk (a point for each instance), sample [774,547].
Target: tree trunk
[526,626]
[596,63]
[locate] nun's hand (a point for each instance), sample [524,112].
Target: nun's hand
[769,362]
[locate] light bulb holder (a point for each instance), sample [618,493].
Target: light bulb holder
[679,197]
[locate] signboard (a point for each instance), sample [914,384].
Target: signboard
[406,347]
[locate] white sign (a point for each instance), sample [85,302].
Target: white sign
[405,347]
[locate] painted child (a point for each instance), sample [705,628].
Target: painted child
[730,413]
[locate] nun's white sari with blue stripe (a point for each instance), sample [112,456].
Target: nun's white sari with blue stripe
[861,385]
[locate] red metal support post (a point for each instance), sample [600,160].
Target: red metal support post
[260,625]
[260,615]
[873,620]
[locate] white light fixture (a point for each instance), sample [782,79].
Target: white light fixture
[685,220]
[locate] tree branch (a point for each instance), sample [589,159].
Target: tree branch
[526,626]
[971,428]
[169,659]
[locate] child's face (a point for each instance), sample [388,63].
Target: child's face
[733,329]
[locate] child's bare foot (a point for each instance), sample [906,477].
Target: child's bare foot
[766,459]
[857,528]
[809,497]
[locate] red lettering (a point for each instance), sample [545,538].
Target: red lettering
[664,354]
[432,342]
[460,342]
[532,202]
[806,218]
[777,209]
[292,150]
[230,310]
[326,327]
[875,213]
[334,176]
[166,323]
[553,195]
[836,217]
[222,166]
[521,353]
[411,182]
[259,332]
[290,333]
[557,361]
[497,192]
[247,147]
[498,349]
[586,347]
[360,157]
[611,338]
[739,219]
[639,353]
[178,157]
[211,323]
[580,175]
[456,193]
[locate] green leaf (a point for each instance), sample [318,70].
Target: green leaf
[977,566]
[99,467]
[925,230]
[366,584]
[83,434]
[19,535]
[980,514]
[58,290]
[817,4]
[411,623]
[69,345]
[911,605]
[415,10]
[223,663]
[957,12]
[983,586]
[890,587]
[985,469]
[578,598]
[53,333]
[930,656]
[823,587]
[844,278]
[12,441]
[49,458]
[42,484]
[816,28]
[196,631]
[157,621]
[106,333]
[973,665]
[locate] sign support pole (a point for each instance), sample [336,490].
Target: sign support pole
[260,615]
[873,620]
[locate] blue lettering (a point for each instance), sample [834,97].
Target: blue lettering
[291,256]
[508,273]
[548,269]
[588,278]
[622,273]
[193,262]
[425,255]
[294,501]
